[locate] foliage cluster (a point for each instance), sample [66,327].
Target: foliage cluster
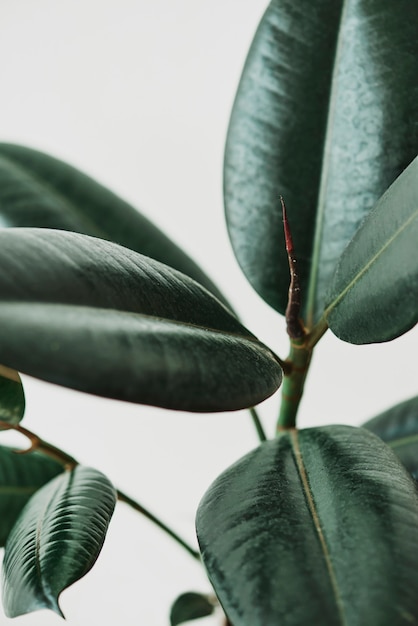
[317,525]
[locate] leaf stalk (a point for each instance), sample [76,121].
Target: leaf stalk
[317,332]
[36,443]
[258,425]
[122,497]
[69,463]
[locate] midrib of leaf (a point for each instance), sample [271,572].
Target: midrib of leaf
[166,320]
[38,531]
[317,523]
[10,490]
[320,214]
[369,264]
[397,443]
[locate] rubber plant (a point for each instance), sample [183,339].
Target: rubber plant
[315,526]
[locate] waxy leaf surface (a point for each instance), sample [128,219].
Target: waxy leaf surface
[325,115]
[41,191]
[374,292]
[190,606]
[56,540]
[398,427]
[89,314]
[316,527]
[12,396]
[20,476]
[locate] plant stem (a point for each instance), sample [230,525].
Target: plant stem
[122,497]
[69,463]
[316,333]
[258,425]
[297,364]
[296,370]
[36,443]
[293,383]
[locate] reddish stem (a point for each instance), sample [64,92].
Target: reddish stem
[295,328]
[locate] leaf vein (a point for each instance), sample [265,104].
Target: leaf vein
[317,523]
[320,219]
[369,264]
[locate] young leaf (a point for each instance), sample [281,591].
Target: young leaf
[12,396]
[89,314]
[373,296]
[56,540]
[325,115]
[20,476]
[398,427]
[316,527]
[41,191]
[190,606]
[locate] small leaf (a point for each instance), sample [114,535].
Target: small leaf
[374,292]
[12,396]
[398,427]
[56,540]
[38,190]
[325,115]
[316,527]
[190,606]
[89,314]
[20,476]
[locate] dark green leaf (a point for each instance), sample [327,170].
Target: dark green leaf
[89,314]
[12,396]
[39,190]
[20,476]
[137,358]
[316,527]
[398,427]
[56,540]
[374,292]
[190,606]
[325,115]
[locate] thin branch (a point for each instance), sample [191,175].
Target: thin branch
[122,497]
[258,425]
[68,462]
[36,443]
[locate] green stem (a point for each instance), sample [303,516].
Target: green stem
[316,333]
[258,425]
[69,463]
[122,497]
[293,383]
[295,371]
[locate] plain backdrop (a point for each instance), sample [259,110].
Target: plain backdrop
[137,93]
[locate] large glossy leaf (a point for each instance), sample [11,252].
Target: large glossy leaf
[374,292]
[316,527]
[398,427]
[12,396]
[20,476]
[56,540]
[39,190]
[325,115]
[89,314]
